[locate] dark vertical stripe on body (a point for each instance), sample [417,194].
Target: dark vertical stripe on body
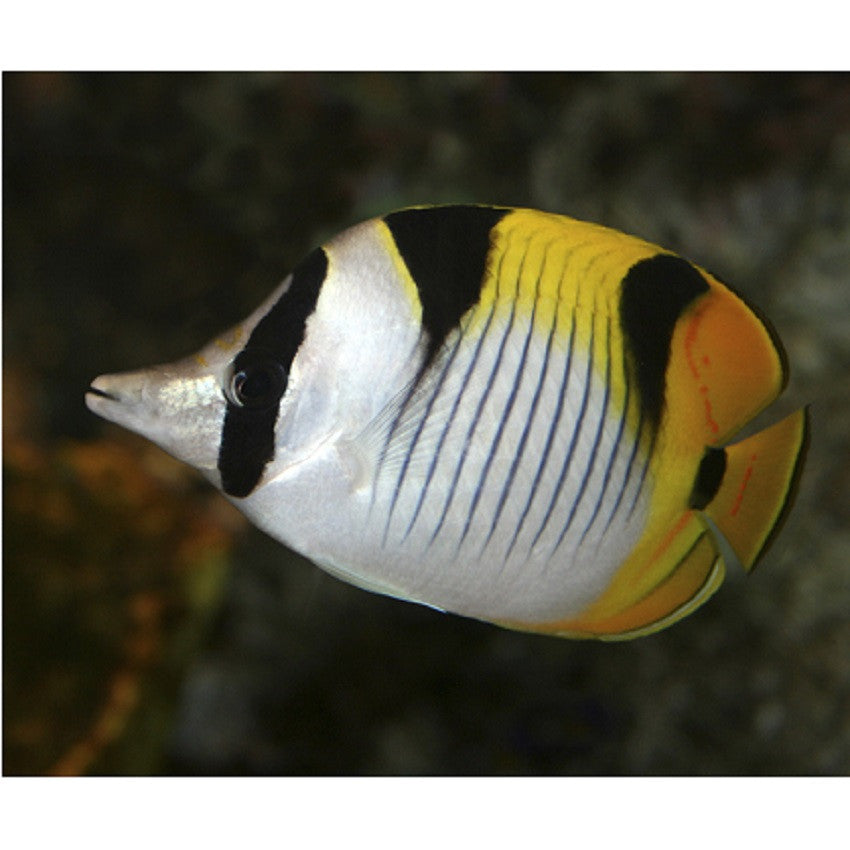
[607,474]
[445,250]
[435,458]
[553,430]
[438,384]
[471,429]
[247,439]
[588,379]
[529,419]
[626,475]
[654,294]
[591,461]
[506,412]
[476,495]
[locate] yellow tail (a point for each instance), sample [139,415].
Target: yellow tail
[758,486]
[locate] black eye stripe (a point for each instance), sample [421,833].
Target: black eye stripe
[247,438]
[281,331]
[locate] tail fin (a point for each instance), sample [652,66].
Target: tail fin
[758,485]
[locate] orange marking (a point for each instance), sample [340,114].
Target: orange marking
[709,417]
[229,339]
[748,472]
[690,341]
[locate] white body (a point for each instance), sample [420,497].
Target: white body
[466,530]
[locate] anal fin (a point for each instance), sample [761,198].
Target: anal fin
[692,581]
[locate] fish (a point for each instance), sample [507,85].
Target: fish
[503,413]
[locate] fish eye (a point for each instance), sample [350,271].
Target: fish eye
[256,385]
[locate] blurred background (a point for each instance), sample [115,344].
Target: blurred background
[147,629]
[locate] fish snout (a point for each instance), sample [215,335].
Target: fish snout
[179,411]
[109,394]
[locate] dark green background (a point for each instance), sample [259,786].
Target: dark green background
[145,212]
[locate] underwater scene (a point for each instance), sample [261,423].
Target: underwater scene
[150,629]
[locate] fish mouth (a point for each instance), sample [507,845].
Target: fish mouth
[180,412]
[93,390]
[112,397]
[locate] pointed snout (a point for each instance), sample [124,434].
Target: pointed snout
[178,406]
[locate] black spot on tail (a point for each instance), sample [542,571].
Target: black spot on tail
[655,292]
[712,467]
[248,435]
[445,250]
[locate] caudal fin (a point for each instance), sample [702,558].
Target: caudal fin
[758,485]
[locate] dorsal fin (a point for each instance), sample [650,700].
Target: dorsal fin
[445,250]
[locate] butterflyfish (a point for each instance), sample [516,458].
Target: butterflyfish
[502,413]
